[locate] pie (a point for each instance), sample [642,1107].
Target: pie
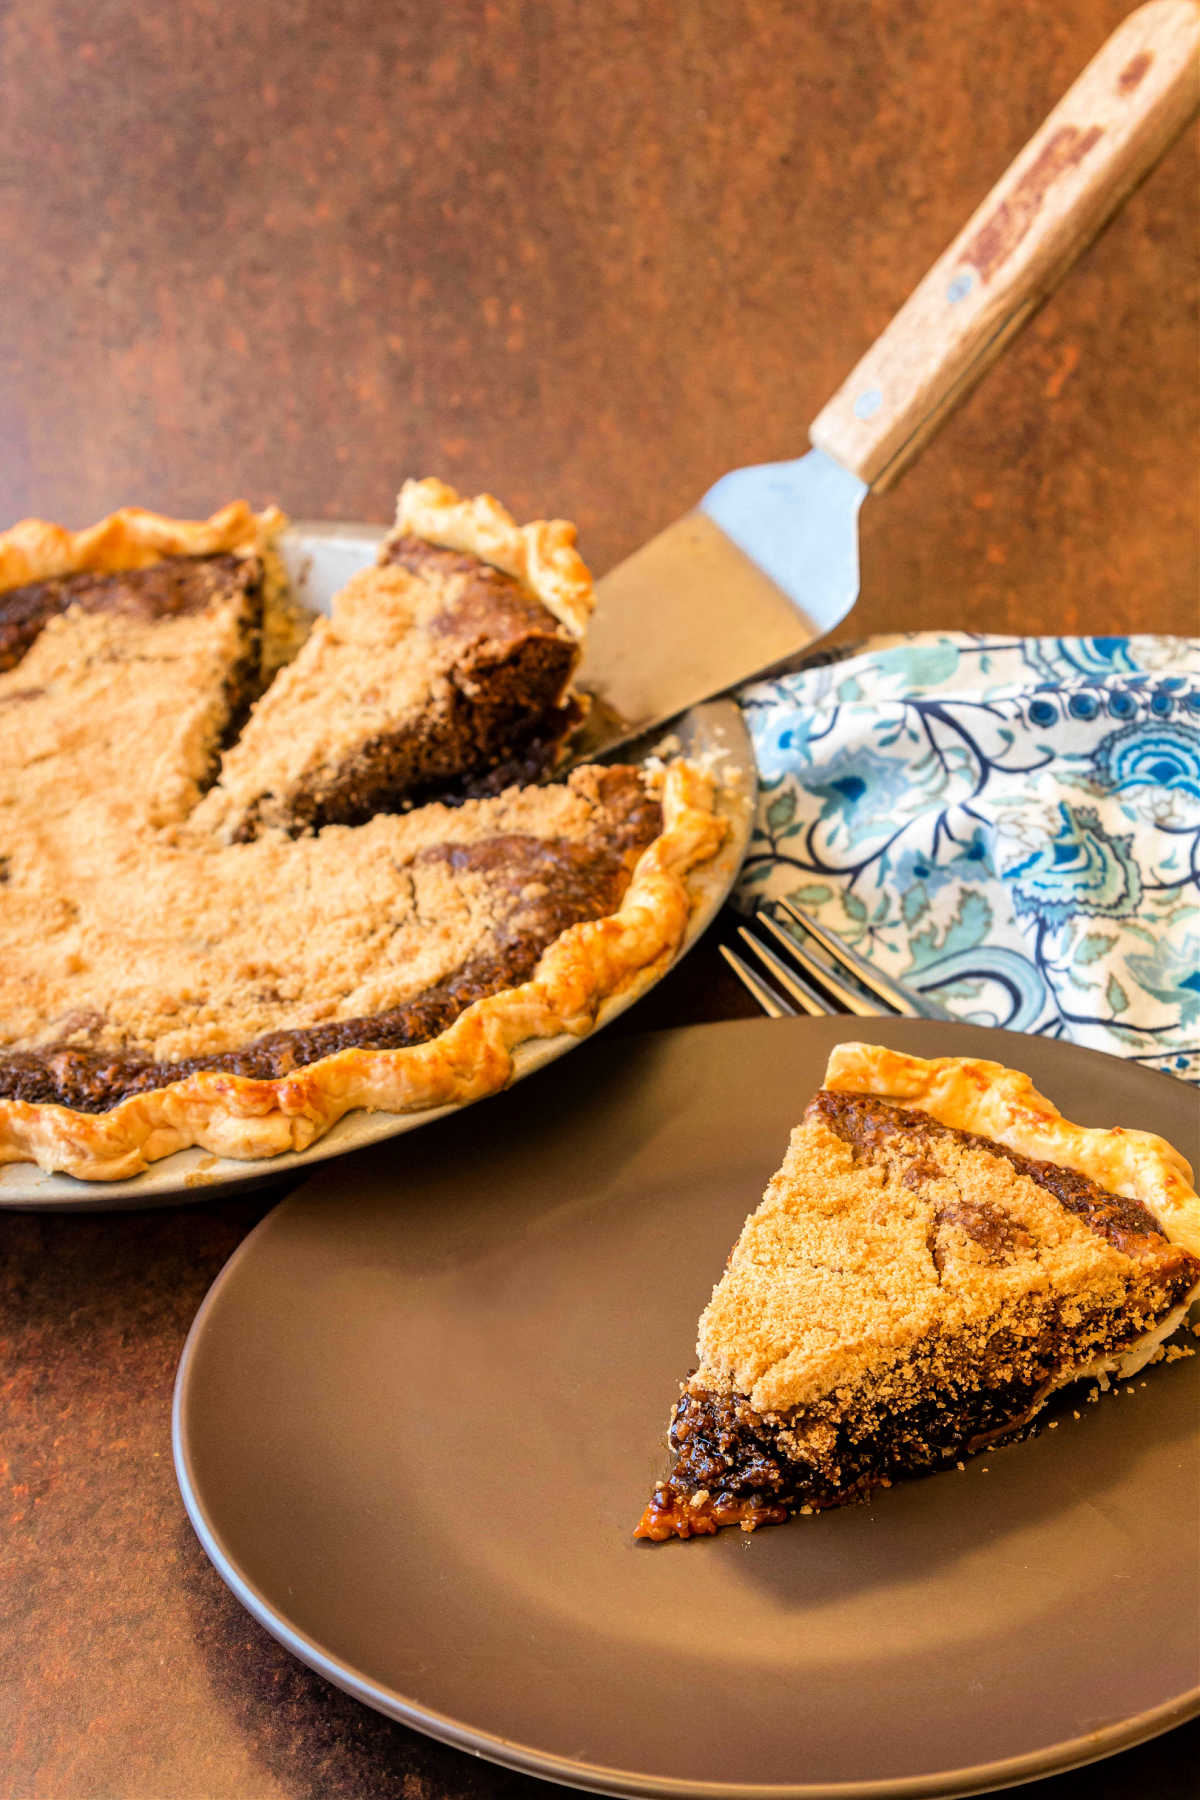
[232,908]
[940,1251]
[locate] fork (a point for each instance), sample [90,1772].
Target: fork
[807,984]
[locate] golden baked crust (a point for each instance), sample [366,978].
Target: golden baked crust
[991,1101]
[541,556]
[133,538]
[231,1115]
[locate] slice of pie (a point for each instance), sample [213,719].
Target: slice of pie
[444,670]
[939,1252]
[166,980]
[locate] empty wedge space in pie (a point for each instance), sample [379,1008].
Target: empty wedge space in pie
[259,870]
[938,1254]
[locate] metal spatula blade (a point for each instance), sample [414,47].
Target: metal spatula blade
[768,562]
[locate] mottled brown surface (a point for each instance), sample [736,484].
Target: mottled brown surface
[178,584]
[301,252]
[733,1463]
[589,258]
[868,1124]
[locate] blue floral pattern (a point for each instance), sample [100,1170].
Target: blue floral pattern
[1012,825]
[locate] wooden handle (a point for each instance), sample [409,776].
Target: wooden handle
[1109,131]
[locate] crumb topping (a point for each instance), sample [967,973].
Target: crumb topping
[1004,1106]
[165,983]
[122,929]
[861,1251]
[907,1294]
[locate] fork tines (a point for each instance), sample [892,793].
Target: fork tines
[804,983]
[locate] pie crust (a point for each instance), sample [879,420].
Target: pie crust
[219,1109]
[36,550]
[541,556]
[991,1101]
[230,1115]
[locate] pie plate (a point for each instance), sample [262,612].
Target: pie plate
[321,559]
[420,1411]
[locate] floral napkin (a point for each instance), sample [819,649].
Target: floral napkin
[1011,825]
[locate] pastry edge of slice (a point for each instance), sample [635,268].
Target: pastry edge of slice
[992,1101]
[36,550]
[541,556]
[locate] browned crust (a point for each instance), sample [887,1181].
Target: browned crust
[231,1115]
[541,556]
[870,1124]
[36,550]
[990,1101]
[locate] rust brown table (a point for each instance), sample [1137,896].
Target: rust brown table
[588,256]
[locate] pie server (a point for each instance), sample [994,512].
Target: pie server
[768,561]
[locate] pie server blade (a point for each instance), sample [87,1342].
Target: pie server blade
[768,561]
[766,564]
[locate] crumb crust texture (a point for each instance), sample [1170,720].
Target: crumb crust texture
[168,981]
[908,1293]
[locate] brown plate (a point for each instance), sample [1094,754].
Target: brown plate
[423,1405]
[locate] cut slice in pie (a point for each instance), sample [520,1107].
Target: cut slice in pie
[181,965]
[444,671]
[939,1252]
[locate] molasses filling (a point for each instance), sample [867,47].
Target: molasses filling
[908,1294]
[172,588]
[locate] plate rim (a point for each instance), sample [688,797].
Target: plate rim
[1054,1759]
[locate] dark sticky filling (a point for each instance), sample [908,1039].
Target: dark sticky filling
[734,1465]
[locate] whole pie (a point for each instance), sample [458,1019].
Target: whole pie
[252,879]
[940,1251]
